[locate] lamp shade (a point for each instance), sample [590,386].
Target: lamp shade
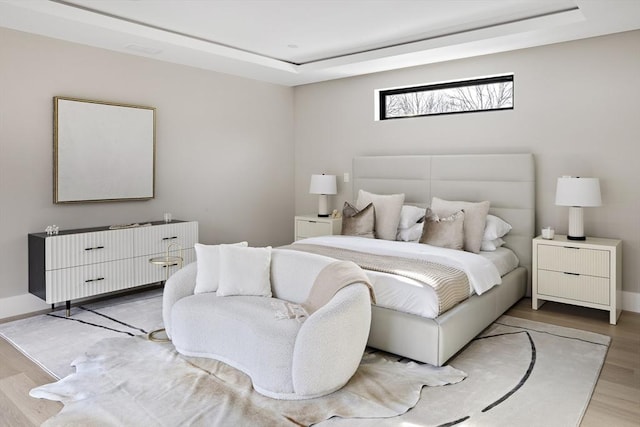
[583,192]
[323,184]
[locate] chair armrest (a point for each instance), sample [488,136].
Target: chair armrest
[330,343]
[181,284]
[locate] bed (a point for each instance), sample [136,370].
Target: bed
[508,182]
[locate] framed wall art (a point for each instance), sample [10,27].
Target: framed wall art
[102,151]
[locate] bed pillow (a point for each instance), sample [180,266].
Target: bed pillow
[446,232]
[358,222]
[491,245]
[411,234]
[387,207]
[410,216]
[495,227]
[208,267]
[245,271]
[475,216]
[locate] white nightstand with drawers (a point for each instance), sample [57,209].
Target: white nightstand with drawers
[586,273]
[313,226]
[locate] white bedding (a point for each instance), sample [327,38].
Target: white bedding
[410,296]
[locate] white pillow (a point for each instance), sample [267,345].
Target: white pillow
[495,227]
[410,215]
[208,267]
[245,271]
[387,209]
[491,245]
[411,234]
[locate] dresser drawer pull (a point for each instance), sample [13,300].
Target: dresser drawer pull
[571,247]
[170,238]
[170,265]
[94,280]
[94,248]
[573,274]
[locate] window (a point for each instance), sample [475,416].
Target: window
[485,94]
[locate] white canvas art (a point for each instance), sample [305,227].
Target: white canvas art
[103,151]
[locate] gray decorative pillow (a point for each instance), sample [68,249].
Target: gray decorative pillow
[475,217]
[358,222]
[388,208]
[447,232]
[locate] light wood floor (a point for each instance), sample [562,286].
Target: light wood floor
[615,402]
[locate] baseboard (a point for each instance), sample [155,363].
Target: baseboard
[21,305]
[631,301]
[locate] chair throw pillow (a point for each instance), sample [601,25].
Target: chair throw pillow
[208,267]
[358,222]
[245,271]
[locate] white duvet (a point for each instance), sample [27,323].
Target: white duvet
[408,295]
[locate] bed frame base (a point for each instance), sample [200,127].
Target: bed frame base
[412,336]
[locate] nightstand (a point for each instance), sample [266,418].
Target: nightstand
[313,225]
[586,273]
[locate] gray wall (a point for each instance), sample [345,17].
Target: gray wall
[576,108]
[224,149]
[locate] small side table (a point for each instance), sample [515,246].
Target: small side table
[312,225]
[166,262]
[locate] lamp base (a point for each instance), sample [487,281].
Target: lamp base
[323,215]
[576,238]
[323,210]
[576,224]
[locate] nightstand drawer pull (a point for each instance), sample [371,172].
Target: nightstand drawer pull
[573,274]
[170,238]
[94,280]
[94,248]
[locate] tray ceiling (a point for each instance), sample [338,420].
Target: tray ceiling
[294,42]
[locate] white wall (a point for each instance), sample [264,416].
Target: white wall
[576,108]
[224,149]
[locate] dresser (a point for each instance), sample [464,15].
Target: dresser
[586,273]
[313,226]
[92,261]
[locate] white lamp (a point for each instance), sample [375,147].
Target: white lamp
[577,193]
[323,185]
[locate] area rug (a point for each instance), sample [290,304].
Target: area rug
[519,372]
[53,340]
[136,382]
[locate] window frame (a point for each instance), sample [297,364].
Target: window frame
[383,93]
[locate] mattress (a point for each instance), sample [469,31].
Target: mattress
[410,296]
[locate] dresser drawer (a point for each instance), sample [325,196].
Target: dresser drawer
[78,249]
[156,239]
[79,282]
[573,286]
[307,228]
[591,262]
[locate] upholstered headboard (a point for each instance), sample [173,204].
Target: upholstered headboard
[506,180]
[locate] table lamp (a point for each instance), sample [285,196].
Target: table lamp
[323,185]
[577,193]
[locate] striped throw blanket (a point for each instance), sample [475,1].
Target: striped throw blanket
[450,284]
